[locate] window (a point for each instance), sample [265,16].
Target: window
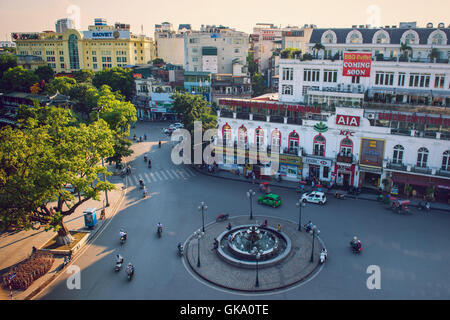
[242,135]
[194,59]
[287,89]
[94,59]
[61,53]
[438,39]
[346,147]
[419,80]
[236,50]
[330,76]
[312,75]
[106,59]
[238,41]
[288,74]
[439,81]
[94,53]
[446,161]
[293,140]
[226,133]
[356,79]
[384,78]
[259,137]
[62,65]
[50,59]
[410,39]
[319,145]
[289,44]
[354,38]
[329,38]
[73,52]
[401,79]
[381,38]
[194,40]
[422,157]
[94,66]
[276,139]
[397,157]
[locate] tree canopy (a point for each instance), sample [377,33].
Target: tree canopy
[83,75]
[18,79]
[61,84]
[7,61]
[45,73]
[118,79]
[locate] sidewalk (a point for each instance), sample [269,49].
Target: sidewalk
[15,247]
[365,195]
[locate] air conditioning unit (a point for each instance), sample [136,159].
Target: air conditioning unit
[371,116]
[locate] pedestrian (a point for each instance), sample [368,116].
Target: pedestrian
[253,177]
[312,183]
[229,226]
[278,227]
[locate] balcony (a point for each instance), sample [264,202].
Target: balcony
[344,158]
[291,150]
[396,166]
[423,170]
[443,173]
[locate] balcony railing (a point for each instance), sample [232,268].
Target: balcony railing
[242,115]
[443,173]
[396,166]
[418,169]
[291,150]
[344,158]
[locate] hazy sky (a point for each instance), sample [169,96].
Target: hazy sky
[32,15]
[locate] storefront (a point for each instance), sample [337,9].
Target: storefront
[369,177]
[319,168]
[345,174]
[371,162]
[420,184]
[290,167]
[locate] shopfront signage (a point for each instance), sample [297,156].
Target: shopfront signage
[413,118]
[318,162]
[117,34]
[290,160]
[321,127]
[343,120]
[372,152]
[268,105]
[357,64]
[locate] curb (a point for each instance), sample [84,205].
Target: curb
[91,236]
[293,188]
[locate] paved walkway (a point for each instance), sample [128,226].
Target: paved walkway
[15,247]
[365,195]
[295,268]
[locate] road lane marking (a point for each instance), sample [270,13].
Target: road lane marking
[153,177]
[175,173]
[158,176]
[147,177]
[169,174]
[162,173]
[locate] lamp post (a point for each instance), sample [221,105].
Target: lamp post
[104,176]
[250,194]
[198,234]
[314,231]
[203,207]
[257,256]
[299,205]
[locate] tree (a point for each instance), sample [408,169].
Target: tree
[406,50]
[42,159]
[258,85]
[18,79]
[61,84]
[83,75]
[45,73]
[7,61]
[317,47]
[85,96]
[118,79]
[35,88]
[252,65]
[158,61]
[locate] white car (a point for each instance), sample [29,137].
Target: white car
[178,125]
[314,197]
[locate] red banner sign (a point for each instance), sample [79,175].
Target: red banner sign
[352,121]
[268,105]
[357,64]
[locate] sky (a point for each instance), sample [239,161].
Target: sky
[242,15]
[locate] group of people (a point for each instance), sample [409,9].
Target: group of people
[130,267]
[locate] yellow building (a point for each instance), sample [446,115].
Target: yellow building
[101,46]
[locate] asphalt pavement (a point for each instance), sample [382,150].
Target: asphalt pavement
[410,251]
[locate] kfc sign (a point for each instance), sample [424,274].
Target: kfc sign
[357,64]
[352,121]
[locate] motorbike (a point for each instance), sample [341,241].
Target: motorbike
[144,193]
[149,164]
[354,191]
[122,239]
[300,189]
[323,255]
[118,265]
[145,158]
[141,184]
[130,273]
[355,248]
[66,260]
[180,249]
[339,195]
[159,231]
[159,144]
[145,137]
[222,217]
[424,206]
[307,227]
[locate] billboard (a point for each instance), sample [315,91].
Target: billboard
[372,152]
[357,64]
[114,34]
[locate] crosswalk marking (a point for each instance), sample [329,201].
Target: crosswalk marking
[135,180]
[147,177]
[190,171]
[153,177]
[158,176]
[169,174]
[162,173]
[175,174]
[183,173]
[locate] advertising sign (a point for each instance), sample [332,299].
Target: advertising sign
[319,162]
[352,121]
[372,152]
[357,64]
[115,34]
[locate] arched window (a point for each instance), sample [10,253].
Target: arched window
[381,38]
[319,145]
[294,140]
[446,161]
[259,136]
[438,39]
[242,136]
[226,133]
[397,157]
[410,38]
[346,147]
[355,38]
[73,52]
[329,38]
[275,139]
[422,157]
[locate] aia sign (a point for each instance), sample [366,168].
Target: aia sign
[352,121]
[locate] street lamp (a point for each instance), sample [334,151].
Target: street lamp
[104,176]
[299,205]
[198,234]
[250,194]
[313,231]
[257,256]
[203,207]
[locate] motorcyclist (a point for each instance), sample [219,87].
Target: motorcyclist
[356,244]
[145,136]
[159,227]
[123,234]
[144,191]
[159,143]
[119,259]
[134,137]
[324,253]
[149,163]
[308,226]
[180,247]
[145,156]
[141,183]
[130,269]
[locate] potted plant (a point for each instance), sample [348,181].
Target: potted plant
[408,190]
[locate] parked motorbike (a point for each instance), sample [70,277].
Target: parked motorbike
[180,249]
[323,255]
[354,191]
[424,206]
[339,195]
[66,260]
[222,217]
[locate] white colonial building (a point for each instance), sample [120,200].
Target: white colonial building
[410,67]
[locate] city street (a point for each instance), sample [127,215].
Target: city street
[411,251]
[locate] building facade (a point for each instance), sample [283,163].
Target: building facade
[215,49]
[101,46]
[409,66]
[169,43]
[62,25]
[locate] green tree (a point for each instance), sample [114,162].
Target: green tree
[317,47]
[44,157]
[45,73]
[85,96]
[60,84]
[7,61]
[83,75]
[18,79]
[258,85]
[158,61]
[252,65]
[118,79]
